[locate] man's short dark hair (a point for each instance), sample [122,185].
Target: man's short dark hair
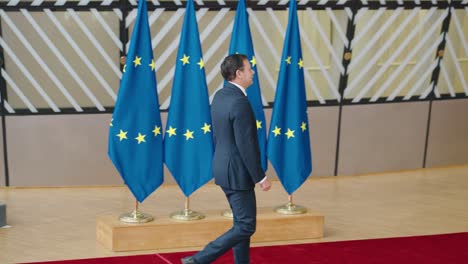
[231,64]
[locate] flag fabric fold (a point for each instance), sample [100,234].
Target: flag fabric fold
[135,139]
[241,42]
[288,140]
[188,141]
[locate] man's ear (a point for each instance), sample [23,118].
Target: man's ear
[238,73]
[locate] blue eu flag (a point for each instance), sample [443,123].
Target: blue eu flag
[188,141]
[135,139]
[288,140]
[241,42]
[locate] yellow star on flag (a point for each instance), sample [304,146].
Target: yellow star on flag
[290,133]
[188,134]
[111,122]
[125,68]
[206,128]
[288,60]
[201,63]
[276,131]
[122,135]
[300,63]
[171,131]
[304,126]
[185,59]
[259,124]
[253,61]
[140,138]
[156,130]
[152,65]
[137,61]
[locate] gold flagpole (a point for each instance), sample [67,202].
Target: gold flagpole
[187,214]
[135,216]
[290,208]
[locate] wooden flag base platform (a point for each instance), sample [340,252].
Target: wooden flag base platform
[164,232]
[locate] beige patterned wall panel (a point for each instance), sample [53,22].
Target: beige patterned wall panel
[448,137]
[384,137]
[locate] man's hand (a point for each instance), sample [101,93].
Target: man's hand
[265,185]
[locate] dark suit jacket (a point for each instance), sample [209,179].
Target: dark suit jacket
[236,161]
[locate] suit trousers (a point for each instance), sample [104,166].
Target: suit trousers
[244,208]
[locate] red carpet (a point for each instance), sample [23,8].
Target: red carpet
[446,248]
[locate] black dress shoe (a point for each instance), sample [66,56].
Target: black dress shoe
[188,260]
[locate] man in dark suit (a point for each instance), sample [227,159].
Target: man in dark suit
[236,161]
